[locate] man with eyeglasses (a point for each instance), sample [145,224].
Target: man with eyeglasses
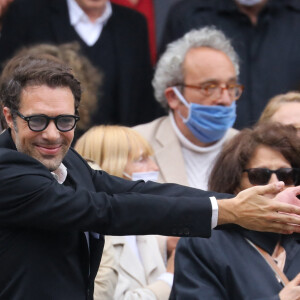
[196,80]
[54,209]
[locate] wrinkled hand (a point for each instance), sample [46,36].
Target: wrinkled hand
[171,263]
[292,290]
[252,210]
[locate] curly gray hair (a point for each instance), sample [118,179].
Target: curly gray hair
[169,68]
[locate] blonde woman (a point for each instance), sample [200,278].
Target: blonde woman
[142,274]
[283,108]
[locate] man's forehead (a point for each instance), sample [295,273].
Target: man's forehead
[46,97]
[211,64]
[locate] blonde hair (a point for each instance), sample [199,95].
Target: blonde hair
[274,104]
[111,147]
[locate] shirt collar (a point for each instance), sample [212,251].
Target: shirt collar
[77,14]
[60,174]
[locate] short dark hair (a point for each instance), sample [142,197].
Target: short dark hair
[30,70]
[227,172]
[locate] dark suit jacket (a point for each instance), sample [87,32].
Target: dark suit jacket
[43,249]
[227,267]
[121,53]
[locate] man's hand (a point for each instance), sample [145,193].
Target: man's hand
[252,210]
[292,290]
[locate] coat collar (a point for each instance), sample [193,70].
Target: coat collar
[170,171]
[148,249]
[267,240]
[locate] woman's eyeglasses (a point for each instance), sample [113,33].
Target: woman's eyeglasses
[261,176]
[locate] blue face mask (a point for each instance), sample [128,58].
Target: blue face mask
[208,123]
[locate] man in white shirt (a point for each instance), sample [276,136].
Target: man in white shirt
[196,80]
[113,37]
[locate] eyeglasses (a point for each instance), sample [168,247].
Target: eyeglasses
[261,176]
[214,91]
[40,122]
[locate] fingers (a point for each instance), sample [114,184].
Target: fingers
[272,188]
[296,280]
[286,208]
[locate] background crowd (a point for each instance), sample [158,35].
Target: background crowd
[204,84]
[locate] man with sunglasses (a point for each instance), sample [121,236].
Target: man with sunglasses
[196,80]
[54,209]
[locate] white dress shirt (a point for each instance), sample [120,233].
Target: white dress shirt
[88,31]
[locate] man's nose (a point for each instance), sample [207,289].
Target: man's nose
[51,132]
[225,98]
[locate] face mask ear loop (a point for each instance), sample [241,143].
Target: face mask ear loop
[182,99]
[127,175]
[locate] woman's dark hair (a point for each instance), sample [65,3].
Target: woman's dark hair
[227,172]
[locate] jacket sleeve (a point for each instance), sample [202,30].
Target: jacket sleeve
[32,198]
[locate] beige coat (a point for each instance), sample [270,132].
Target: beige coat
[168,154]
[138,281]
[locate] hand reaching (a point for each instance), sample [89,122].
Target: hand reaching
[252,210]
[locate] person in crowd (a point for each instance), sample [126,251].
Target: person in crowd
[161,10]
[4,4]
[259,31]
[145,7]
[55,209]
[233,263]
[142,274]
[283,108]
[89,77]
[196,80]
[113,37]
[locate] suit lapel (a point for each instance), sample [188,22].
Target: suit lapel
[149,254]
[169,155]
[128,261]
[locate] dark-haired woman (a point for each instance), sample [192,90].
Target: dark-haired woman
[235,263]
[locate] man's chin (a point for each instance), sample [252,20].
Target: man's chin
[50,164]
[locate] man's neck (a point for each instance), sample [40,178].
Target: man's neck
[253,11]
[93,13]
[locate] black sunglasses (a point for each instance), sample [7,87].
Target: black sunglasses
[261,176]
[40,122]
